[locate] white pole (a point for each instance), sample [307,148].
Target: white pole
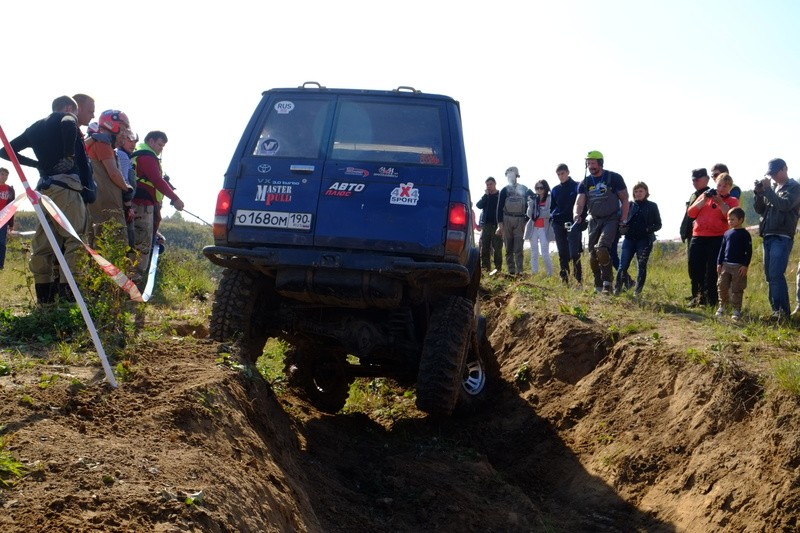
[62,262]
[37,207]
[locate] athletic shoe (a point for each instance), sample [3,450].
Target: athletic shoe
[720,312]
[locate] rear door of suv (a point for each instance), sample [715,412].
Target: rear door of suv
[386,180]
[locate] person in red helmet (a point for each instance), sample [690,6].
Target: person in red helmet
[113,191]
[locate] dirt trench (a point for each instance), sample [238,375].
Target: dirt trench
[601,435]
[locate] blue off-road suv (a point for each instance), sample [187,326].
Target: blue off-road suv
[345,228]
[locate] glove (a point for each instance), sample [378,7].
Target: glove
[127,196]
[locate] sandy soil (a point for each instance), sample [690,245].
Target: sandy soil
[604,436]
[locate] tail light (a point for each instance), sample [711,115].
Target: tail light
[221,213]
[457,226]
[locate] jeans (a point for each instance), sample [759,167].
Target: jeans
[641,247]
[776,259]
[569,248]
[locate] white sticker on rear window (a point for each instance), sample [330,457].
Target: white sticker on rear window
[405,194]
[284,106]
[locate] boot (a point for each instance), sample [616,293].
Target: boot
[65,293]
[44,293]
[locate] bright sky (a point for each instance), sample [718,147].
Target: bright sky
[660,87]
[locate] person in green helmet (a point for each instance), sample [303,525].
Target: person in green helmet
[606,195]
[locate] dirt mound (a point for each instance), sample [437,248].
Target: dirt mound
[588,433]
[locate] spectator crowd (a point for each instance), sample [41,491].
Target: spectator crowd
[621,227]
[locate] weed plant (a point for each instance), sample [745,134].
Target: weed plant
[10,468]
[110,308]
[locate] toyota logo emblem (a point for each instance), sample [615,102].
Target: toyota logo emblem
[264,168]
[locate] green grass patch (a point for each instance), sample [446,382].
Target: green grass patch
[787,374]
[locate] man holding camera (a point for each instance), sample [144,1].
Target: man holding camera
[779,207]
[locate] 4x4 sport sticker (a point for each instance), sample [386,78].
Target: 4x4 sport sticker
[405,194]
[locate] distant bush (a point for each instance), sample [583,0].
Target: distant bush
[186,234]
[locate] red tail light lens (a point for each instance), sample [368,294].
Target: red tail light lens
[457,218]
[221,213]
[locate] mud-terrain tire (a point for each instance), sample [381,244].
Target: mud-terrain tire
[444,351]
[241,311]
[323,378]
[481,375]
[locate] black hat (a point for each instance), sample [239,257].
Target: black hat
[775,166]
[699,173]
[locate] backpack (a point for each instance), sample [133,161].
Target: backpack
[516,204]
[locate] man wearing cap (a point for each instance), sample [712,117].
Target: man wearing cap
[779,207]
[511,218]
[607,198]
[700,181]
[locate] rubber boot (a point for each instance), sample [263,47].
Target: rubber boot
[44,293]
[65,293]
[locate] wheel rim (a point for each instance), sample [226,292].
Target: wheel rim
[474,377]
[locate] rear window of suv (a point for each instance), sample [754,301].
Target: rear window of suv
[365,131]
[294,128]
[380,131]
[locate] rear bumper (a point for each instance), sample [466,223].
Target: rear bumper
[272,260]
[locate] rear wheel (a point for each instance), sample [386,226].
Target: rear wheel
[324,378]
[443,354]
[240,311]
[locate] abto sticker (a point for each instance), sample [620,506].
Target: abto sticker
[284,107]
[405,194]
[343,189]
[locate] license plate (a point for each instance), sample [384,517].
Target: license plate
[273,219]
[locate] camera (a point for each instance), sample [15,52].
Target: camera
[568,226]
[711,192]
[758,186]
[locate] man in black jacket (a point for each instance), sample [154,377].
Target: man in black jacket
[491,243]
[568,235]
[65,177]
[700,179]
